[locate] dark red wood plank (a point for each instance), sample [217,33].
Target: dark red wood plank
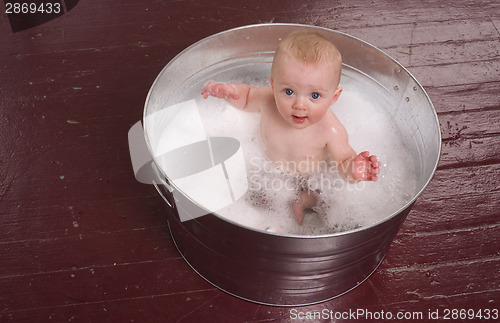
[457,74]
[458,198]
[431,213]
[476,244]
[474,96]
[469,125]
[470,151]
[143,245]
[107,283]
[423,40]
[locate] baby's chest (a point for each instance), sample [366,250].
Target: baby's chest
[293,141]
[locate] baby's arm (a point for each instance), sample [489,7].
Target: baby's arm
[352,167]
[241,96]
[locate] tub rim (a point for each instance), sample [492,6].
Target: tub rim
[320,236]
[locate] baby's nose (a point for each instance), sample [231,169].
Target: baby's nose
[300,104]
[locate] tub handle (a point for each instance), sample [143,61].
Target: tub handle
[163,182]
[142,163]
[158,188]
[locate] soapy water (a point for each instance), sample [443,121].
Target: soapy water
[341,205]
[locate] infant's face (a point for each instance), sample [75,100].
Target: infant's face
[304,92]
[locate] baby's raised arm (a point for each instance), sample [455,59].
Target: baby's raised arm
[352,167]
[241,96]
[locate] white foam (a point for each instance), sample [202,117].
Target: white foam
[345,206]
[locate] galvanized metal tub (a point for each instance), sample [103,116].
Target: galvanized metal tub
[267,268]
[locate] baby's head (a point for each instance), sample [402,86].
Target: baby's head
[305,78]
[309,47]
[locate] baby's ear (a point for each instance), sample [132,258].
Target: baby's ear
[271,81]
[338,91]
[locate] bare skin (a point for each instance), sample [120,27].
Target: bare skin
[298,128]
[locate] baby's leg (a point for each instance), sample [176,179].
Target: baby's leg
[306,200]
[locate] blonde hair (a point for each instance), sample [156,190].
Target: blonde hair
[309,47]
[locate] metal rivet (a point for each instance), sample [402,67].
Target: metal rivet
[414,88]
[396,87]
[407,99]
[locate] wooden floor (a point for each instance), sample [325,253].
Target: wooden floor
[82,241]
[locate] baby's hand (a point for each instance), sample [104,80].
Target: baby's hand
[219,90]
[365,167]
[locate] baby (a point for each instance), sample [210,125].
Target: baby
[297,126]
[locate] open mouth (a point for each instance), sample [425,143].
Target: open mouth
[298,119]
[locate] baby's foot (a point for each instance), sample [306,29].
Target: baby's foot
[298,210]
[305,200]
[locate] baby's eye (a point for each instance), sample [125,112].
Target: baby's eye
[315,95]
[289,91]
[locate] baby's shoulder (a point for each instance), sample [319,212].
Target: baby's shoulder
[266,97]
[331,119]
[332,122]
[266,92]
